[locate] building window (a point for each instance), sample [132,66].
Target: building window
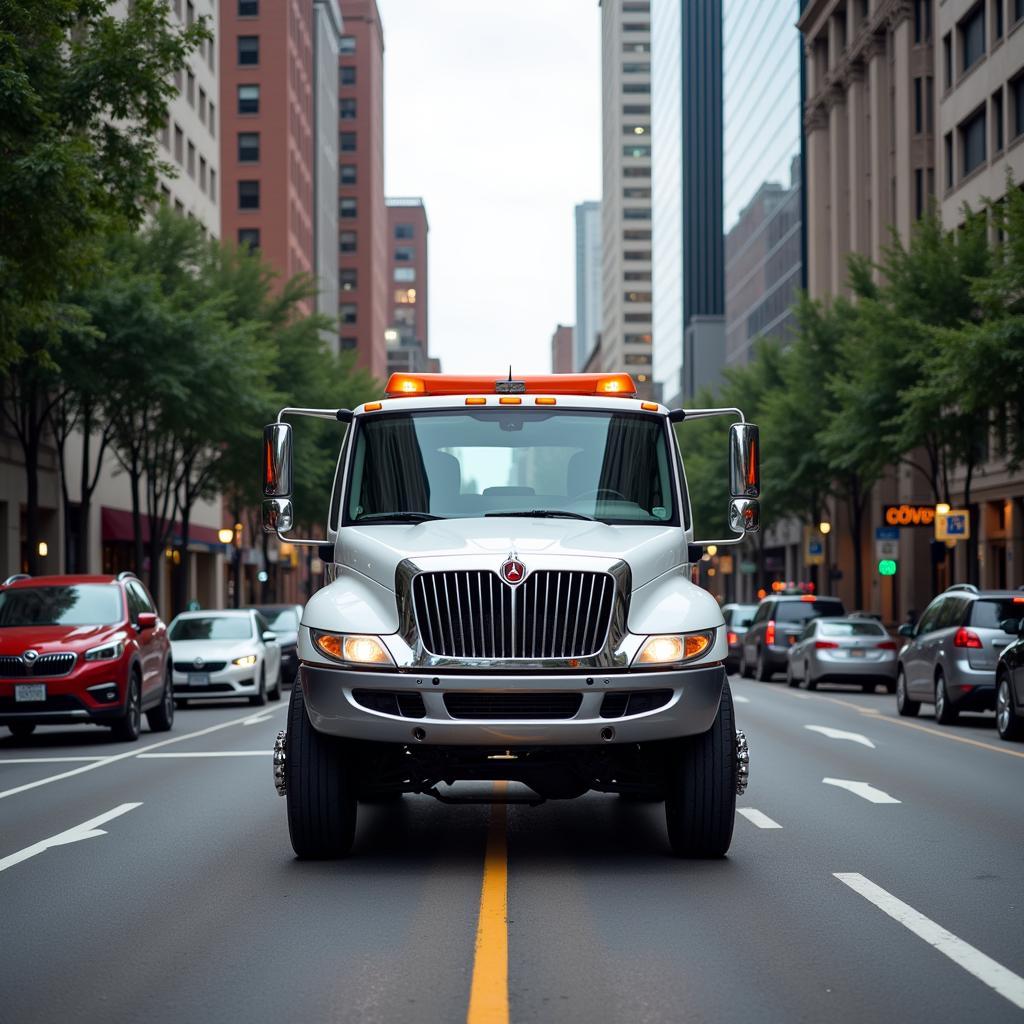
[972,38]
[210,47]
[637,254]
[248,50]
[1017,103]
[636,275]
[637,359]
[636,193]
[636,151]
[403,255]
[347,279]
[347,44]
[918,192]
[202,173]
[191,160]
[179,145]
[645,87]
[643,68]
[636,108]
[972,142]
[347,208]
[348,344]
[637,214]
[997,19]
[404,231]
[929,103]
[190,88]
[1018,10]
[636,26]
[948,147]
[636,236]
[202,105]
[637,296]
[918,110]
[165,136]
[249,238]
[638,339]
[248,99]
[248,8]
[347,109]
[922,21]
[190,14]
[347,75]
[213,120]
[213,186]
[636,172]
[637,318]
[347,174]
[347,241]
[347,312]
[248,195]
[405,297]
[997,122]
[947,61]
[405,275]
[404,316]
[636,129]
[636,47]
[347,142]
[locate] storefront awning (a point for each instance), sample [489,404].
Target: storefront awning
[116,527]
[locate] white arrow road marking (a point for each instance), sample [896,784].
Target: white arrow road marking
[209,753]
[260,716]
[738,698]
[757,818]
[87,830]
[1009,985]
[862,789]
[46,760]
[840,734]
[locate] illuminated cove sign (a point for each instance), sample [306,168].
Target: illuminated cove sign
[908,515]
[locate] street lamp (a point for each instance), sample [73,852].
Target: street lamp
[942,508]
[825,526]
[225,535]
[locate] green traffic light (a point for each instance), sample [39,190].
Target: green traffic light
[887,567]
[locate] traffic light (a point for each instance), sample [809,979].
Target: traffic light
[887,567]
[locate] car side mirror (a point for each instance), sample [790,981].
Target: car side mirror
[906,630]
[744,514]
[278,515]
[269,637]
[277,460]
[744,460]
[146,620]
[1012,626]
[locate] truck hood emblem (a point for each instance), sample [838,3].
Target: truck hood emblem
[512,570]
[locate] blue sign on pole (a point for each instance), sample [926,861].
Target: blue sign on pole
[887,533]
[956,525]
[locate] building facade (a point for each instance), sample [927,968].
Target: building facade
[588,281]
[626,285]
[762,171]
[362,217]
[688,310]
[562,349]
[407,331]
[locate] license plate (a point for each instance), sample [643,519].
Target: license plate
[199,679]
[29,691]
[857,652]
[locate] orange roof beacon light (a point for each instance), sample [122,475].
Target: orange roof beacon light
[442,384]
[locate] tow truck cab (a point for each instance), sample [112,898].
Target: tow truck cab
[509,597]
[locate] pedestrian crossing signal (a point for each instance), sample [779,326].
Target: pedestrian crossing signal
[887,567]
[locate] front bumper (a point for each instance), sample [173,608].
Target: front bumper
[91,692]
[233,681]
[826,665]
[333,709]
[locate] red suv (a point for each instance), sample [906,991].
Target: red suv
[83,649]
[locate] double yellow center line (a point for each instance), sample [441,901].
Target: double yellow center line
[488,993]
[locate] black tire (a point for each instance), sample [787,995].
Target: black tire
[321,788]
[275,693]
[762,673]
[700,787]
[812,683]
[1009,724]
[904,705]
[129,726]
[744,667]
[22,730]
[791,680]
[945,712]
[259,698]
[161,718]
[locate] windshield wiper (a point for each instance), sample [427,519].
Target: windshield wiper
[397,517]
[545,513]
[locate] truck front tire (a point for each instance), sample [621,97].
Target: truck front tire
[321,788]
[700,787]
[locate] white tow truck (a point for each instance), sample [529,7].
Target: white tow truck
[510,598]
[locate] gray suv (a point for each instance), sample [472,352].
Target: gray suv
[950,656]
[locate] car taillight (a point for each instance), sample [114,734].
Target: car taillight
[887,645]
[769,632]
[966,638]
[732,639]
[824,645]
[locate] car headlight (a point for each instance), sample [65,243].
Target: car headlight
[672,648]
[247,659]
[107,652]
[354,648]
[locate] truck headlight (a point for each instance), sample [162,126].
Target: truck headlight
[354,648]
[673,648]
[108,652]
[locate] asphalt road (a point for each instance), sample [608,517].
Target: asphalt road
[171,893]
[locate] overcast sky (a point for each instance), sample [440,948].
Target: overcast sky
[492,113]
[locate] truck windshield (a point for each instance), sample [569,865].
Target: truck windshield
[610,466]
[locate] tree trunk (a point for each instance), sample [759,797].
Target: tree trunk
[138,554]
[31,450]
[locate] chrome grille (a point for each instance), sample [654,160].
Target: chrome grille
[552,614]
[46,665]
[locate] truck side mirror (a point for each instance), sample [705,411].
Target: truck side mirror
[744,461]
[744,515]
[278,516]
[277,460]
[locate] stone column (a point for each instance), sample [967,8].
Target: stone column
[880,155]
[839,189]
[859,165]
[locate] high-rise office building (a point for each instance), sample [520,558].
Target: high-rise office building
[362,218]
[761,172]
[687,185]
[562,349]
[588,282]
[626,289]
[406,333]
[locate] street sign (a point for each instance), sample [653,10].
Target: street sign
[887,533]
[814,547]
[953,525]
[748,568]
[887,567]
[886,549]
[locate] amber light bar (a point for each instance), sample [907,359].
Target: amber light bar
[438,384]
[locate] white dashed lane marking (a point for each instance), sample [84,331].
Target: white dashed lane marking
[863,790]
[841,734]
[755,817]
[207,753]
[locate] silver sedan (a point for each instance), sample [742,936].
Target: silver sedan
[843,651]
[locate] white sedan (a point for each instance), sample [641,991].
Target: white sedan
[220,654]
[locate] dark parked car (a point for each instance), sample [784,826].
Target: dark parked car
[737,620]
[778,622]
[950,656]
[1010,680]
[283,619]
